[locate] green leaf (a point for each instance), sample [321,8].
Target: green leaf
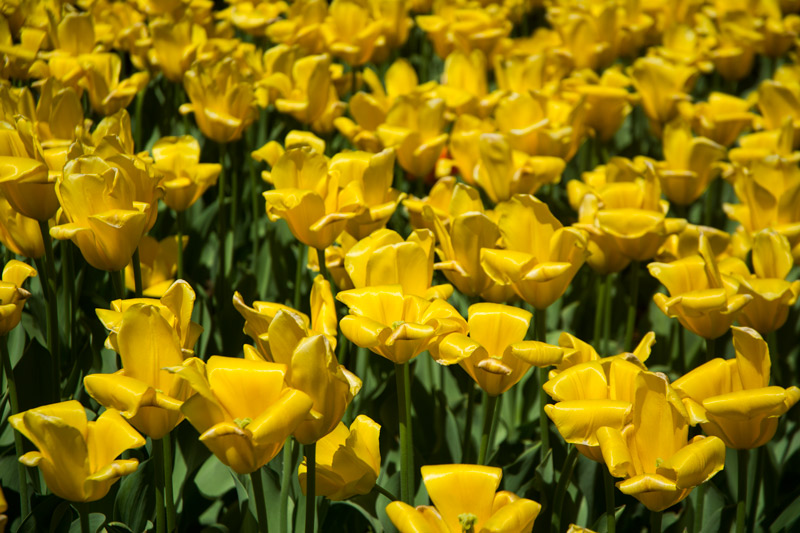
[214,479]
[135,503]
[96,521]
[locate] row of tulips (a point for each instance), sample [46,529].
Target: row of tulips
[480,105]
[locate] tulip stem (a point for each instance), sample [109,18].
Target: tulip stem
[118,280]
[12,394]
[540,329]
[286,480]
[742,457]
[611,518]
[137,273]
[49,282]
[222,229]
[323,267]
[138,129]
[406,449]
[169,495]
[83,516]
[599,315]
[563,483]
[607,314]
[488,418]
[254,196]
[467,440]
[311,489]
[655,521]
[181,219]
[258,496]
[634,291]
[386,493]
[711,349]
[158,463]
[298,275]
[756,495]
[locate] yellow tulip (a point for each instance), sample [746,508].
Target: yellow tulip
[348,462]
[464,87]
[77,458]
[608,101]
[659,466]
[313,200]
[175,307]
[735,52]
[107,93]
[722,118]
[3,509]
[687,243]
[395,325]
[142,391]
[19,233]
[103,218]
[690,163]
[254,17]
[778,102]
[578,352]
[158,262]
[12,295]
[350,31]
[438,200]
[384,258]
[588,35]
[395,26]
[242,408]
[371,175]
[464,148]
[185,179]
[732,399]
[494,355]
[465,498]
[541,257]
[703,300]
[302,26]
[661,85]
[222,101]
[309,91]
[417,130]
[27,187]
[452,26]
[174,46]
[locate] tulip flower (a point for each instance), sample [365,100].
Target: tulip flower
[450,27]
[395,325]
[661,85]
[690,163]
[309,91]
[687,243]
[158,262]
[222,101]
[777,101]
[578,352]
[438,200]
[107,93]
[465,498]
[490,355]
[660,468]
[463,151]
[350,31]
[77,458]
[705,301]
[19,233]
[732,399]
[588,35]
[541,257]
[348,462]
[384,258]
[314,201]
[12,295]
[417,130]
[175,45]
[608,101]
[143,392]
[27,187]
[185,179]
[735,52]
[722,118]
[243,409]
[464,87]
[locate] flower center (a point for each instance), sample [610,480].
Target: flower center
[467,521]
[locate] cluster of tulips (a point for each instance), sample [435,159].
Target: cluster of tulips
[229,209]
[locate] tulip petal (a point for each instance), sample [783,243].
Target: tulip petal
[695,463]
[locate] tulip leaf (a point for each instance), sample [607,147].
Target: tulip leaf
[134,503]
[48,513]
[787,518]
[96,521]
[214,479]
[350,516]
[118,527]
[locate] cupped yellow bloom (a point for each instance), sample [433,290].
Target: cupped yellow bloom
[395,325]
[142,391]
[185,178]
[19,233]
[732,399]
[772,295]
[578,352]
[350,31]
[27,186]
[452,26]
[302,26]
[465,498]
[174,46]
[608,101]
[541,256]
[438,200]
[158,261]
[722,118]
[77,458]
[588,33]
[659,466]
[12,295]
[463,150]
[103,218]
[385,258]
[312,199]
[348,462]
[242,408]
[690,163]
[309,92]
[778,102]
[705,301]
[661,85]
[491,353]
[107,93]
[254,17]
[687,243]
[371,177]
[222,101]
[464,87]
[416,129]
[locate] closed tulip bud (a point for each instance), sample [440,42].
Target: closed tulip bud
[27,187]
[77,458]
[12,295]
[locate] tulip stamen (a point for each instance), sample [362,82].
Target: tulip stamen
[242,422]
[467,521]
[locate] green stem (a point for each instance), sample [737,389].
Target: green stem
[138,129]
[386,493]
[608,485]
[286,480]
[137,273]
[158,463]
[254,211]
[599,316]
[540,316]
[258,496]
[222,220]
[655,521]
[323,267]
[563,482]
[311,480]
[83,516]
[742,457]
[169,494]
[634,288]
[711,202]
[711,349]
[406,450]
[298,275]
[181,219]
[699,499]
[755,496]
[49,282]
[12,394]
[607,314]
[490,403]
[467,440]
[118,280]
[68,280]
